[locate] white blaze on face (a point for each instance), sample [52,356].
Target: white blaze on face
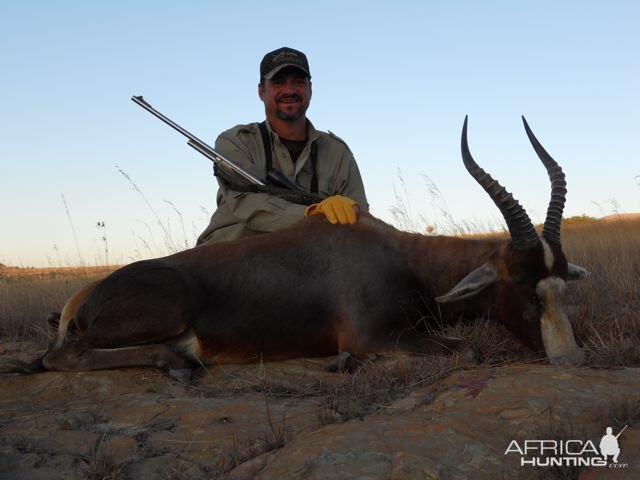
[549,258]
[557,333]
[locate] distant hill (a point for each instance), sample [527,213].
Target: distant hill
[31,273]
[617,217]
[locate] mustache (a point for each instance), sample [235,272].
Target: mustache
[295,96]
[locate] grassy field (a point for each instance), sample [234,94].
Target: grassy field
[604,308]
[606,305]
[29,295]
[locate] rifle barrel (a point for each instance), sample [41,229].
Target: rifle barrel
[625,427]
[198,144]
[216,158]
[144,104]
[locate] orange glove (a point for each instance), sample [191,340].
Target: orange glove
[337,209]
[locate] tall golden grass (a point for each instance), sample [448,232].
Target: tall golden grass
[29,295]
[606,305]
[604,308]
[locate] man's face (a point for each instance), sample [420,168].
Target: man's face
[287,95]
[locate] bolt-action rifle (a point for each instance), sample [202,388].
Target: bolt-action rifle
[276,182]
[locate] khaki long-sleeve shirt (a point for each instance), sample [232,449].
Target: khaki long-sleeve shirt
[241,214]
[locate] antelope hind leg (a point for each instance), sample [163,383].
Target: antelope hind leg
[79,357]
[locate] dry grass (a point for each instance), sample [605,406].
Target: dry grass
[28,295]
[606,306]
[374,386]
[493,343]
[101,465]
[560,432]
[276,438]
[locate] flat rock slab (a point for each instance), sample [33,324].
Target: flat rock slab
[269,421]
[461,428]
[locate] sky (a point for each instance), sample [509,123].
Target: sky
[88,177]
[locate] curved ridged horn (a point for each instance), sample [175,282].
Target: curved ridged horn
[551,231]
[523,235]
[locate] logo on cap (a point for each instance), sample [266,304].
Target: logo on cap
[283,57]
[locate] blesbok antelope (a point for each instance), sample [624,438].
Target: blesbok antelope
[316,289]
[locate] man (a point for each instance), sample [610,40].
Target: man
[319,162]
[609,445]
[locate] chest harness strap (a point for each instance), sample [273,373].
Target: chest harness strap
[268,153]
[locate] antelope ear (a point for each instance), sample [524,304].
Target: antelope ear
[576,273]
[471,285]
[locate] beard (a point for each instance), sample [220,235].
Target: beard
[291,115]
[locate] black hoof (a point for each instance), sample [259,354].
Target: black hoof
[181,375]
[344,362]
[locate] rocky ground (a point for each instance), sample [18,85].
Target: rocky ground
[295,420]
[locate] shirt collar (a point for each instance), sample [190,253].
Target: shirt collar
[312,133]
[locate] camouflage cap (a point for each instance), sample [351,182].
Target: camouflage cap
[283,57]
